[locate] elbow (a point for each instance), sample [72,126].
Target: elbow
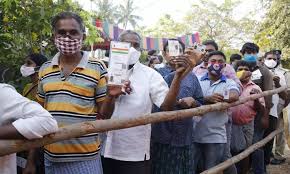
[165,107]
[52,126]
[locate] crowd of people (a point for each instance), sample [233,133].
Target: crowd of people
[72,88]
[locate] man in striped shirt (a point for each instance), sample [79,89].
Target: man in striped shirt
[73,89]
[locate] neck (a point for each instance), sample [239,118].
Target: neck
[245,82]
[214,77]
[70,59]
[34,78]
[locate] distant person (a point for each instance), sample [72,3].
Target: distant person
[234,58]
[210,135]
[30,69]
[243,115]
[263,78]
[280,140]
[280,101]
[172,140]
[34,158]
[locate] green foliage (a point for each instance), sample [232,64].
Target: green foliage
[166,27]
[126,14]
[212,20]
[217,22]
[25,25]
[275,29]
[106,11]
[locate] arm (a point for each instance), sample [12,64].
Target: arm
[107,106]
[267,85]
[184,66]
[10,132]
[31,120]
[30,167]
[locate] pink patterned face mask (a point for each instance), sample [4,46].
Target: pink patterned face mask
[68,46]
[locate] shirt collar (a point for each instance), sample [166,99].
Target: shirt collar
[136,66]
[206,77]
[82,64]
[202,66]
[250,83]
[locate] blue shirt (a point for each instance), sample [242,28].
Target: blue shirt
[178,132]
[164,71]
[211,127]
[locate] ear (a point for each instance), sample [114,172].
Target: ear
[52,38]
[84,36]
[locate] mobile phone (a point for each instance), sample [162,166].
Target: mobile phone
[199,47]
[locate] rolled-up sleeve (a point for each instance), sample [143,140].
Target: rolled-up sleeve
[28,117]
[158,89]
[35,122]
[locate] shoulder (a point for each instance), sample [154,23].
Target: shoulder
[97,65]
[4,86]
[45,68]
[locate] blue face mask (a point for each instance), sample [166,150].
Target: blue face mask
[250,57]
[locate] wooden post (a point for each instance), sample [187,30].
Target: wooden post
[77,130]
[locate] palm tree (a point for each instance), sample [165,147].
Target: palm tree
[126,14]
[106,11]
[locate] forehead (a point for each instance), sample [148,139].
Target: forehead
[67,24]
[130,37]
[250,51]
[244,67]
[209,47]
[271,56]
[217,57]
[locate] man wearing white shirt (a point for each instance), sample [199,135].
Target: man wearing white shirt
[21,118]
[278,100]
[127,151]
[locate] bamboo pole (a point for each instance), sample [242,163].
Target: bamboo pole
[77,130]
[222,166]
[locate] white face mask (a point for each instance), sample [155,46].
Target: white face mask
[27,70]
[134,56]
[270,63]
[157,66]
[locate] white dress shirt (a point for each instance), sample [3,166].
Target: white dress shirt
[133,144]
[28,117]
[276,100]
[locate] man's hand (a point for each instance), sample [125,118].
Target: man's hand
[194,55]
[116,90]
[265,122]
[187,102]
[215,98]
[182,66]
[276,80]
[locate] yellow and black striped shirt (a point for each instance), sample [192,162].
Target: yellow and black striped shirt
[70,100]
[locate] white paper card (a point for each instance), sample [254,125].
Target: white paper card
[118,64]
[173,48]
[256,75]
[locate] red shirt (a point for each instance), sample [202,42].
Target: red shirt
[245,113]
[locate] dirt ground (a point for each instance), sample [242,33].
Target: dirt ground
[281,169]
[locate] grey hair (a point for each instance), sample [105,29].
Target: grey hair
[124,33]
